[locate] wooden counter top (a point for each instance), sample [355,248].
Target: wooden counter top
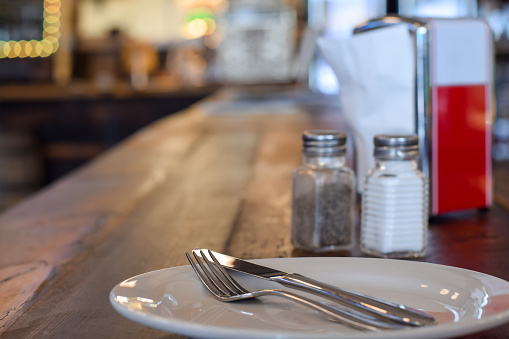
[190,180]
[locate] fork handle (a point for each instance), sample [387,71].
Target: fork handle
[346,318]
[378,308]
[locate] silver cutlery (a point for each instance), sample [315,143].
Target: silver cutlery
[225,288]
[381,309]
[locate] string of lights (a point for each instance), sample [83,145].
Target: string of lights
[37,48]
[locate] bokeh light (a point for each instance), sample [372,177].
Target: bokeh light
[37,48]
[199,22]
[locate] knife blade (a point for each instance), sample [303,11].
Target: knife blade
[379,308]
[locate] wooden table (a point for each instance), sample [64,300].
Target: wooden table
[190,180]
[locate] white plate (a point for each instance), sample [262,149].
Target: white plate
[174,300]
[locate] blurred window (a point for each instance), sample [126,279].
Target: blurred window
[438,8]
[155,21]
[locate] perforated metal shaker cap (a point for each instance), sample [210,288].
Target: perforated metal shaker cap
[324,142]
[396,147]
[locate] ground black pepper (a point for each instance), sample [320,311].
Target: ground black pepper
[324,220]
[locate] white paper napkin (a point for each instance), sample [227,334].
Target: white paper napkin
[376,73]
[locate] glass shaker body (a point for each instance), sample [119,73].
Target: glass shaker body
[394,218]
[323,201]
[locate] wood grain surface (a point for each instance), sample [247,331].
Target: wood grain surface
[190,180]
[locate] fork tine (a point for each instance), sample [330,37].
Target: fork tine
[215,275]
[220,274]
[232,282]
[206,268]
[204,278]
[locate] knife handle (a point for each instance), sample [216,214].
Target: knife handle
[378,308]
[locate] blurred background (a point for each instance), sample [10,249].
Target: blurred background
[78,76]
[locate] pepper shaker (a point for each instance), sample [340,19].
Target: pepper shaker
[323,194]
[394,218]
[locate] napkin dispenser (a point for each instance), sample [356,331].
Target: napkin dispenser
[454,94]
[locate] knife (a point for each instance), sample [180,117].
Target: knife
[379,308]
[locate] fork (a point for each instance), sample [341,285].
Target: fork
[225,288]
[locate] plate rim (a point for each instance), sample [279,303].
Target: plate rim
[184,326]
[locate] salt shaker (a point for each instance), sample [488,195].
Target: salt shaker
[323,194]
[394,218]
